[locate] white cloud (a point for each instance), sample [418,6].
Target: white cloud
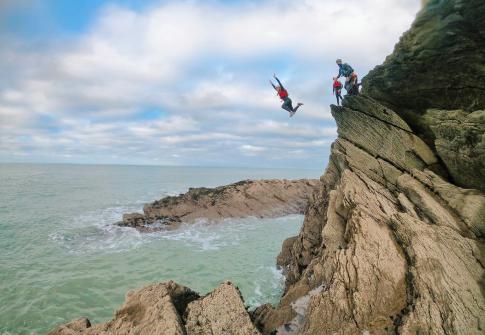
[251,150]
[287,129]
[198,138]
[171,125]
[204,66]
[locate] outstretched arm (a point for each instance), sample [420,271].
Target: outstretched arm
[340,72]
[279,82]
[272,84]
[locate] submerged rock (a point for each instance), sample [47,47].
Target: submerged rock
[258,198]
[172,309]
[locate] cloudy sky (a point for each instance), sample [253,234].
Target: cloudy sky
[181,82]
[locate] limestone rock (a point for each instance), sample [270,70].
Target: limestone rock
[375,134]
[259,198]
[376,110]
[154,309]
[172,309]
[396,247]
[74,327]
[392,236]
[221,312]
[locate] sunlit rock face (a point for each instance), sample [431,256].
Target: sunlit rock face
[172,309]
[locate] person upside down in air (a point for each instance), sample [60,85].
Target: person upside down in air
[283,94]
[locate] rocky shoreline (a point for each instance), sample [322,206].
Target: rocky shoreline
[172,309]
[393,240]
[257,198]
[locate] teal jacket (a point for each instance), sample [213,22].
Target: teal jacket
[345,70]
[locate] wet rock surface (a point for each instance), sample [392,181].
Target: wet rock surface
[258,198]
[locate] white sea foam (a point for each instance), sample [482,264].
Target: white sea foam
[269,284]
[199,235]
[95,231]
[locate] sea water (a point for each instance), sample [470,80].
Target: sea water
[61,257]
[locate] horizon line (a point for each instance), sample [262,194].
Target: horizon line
[157,165]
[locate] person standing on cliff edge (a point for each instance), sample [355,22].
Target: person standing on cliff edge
[337,90]
[283,94]
[347,71]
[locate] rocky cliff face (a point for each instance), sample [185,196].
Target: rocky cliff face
[396,248]
[435,81]
[258,198]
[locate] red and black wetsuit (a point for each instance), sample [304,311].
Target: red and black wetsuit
[337,89]
[283,94]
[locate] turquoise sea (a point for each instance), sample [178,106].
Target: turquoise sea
[61,257]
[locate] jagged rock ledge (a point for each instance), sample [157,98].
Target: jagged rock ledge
[258,198]
[172,309]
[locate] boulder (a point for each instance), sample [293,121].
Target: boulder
[221,312]
[74,327]
[154,309]
[172,309]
